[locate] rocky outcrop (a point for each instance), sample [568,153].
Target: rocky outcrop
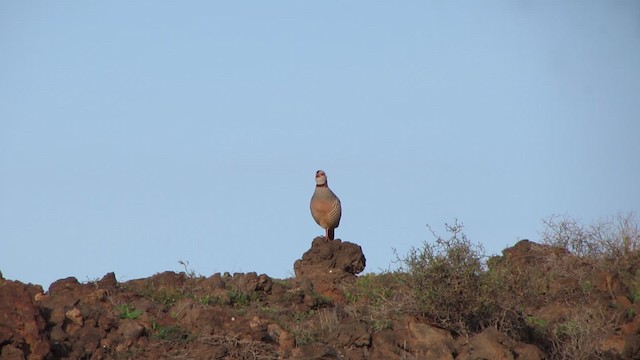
[250,315]
[23,328]
[329,263]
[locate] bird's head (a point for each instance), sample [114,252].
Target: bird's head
[321,178]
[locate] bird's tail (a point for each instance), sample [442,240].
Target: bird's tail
[331,233]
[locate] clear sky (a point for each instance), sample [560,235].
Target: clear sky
[134,135]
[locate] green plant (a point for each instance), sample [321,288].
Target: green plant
[303,316]
[540,326]
[320,301]
[379,298]
[129,312]
[208,299]
[170,333]
[610,245]
[537,322]
[581,336]
[238,298]
[587,287]
[633,283]
[163,295]
[302,335]
[631,313]
[446,278]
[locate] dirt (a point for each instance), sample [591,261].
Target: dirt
[250,316]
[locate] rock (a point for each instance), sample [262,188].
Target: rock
[328,263]
[528,352]
[108,282]
[352,332]
[130,331]
[75,316]
[315,352]
[281,337]
[22,324]
[246,315]
[489,344]
[9,352]
[325,256]
[492,344]
[631,349]
[429,341]
[383,345]
[250,282]
[63,285]
[413,338]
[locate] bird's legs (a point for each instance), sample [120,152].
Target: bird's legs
[330,234]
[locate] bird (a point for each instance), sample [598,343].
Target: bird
[325,206]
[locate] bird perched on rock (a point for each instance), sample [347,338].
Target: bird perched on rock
[325,206]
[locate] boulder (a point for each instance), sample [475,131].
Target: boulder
[22,324]
[328,263]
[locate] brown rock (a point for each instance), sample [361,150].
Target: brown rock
[315,352]
[328,263]
[353,333]
[413,338]
[281,337]
[384,345]
[97,296]
[489,344]
[613,347]
[130,331]
[108,282]
[528,352]
[325,256]
[631,348]
[22,324]
[63,285]
[75,316]
[9,352]
[429,341]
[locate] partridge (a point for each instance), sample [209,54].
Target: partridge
[325,206]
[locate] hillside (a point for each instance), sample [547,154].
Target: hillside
[535,301]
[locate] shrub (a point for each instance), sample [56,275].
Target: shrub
[611,239]
[379,298]
[129,312]
[238,298]
[447,281]
[609,245]
[581,336]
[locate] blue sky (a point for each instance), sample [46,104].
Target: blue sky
[134,135]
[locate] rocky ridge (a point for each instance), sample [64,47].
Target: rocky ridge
[311,316]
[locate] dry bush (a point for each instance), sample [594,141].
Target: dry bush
[582,335]
[609,245]
[446,278]
[379,298]
[569,233]
[237,348]
[615,238]
[328,320]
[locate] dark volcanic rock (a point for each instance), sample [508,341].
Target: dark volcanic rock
[329,263]
[22,324]
[330,259]
[325,312]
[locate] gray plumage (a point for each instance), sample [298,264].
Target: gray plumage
[325,206]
